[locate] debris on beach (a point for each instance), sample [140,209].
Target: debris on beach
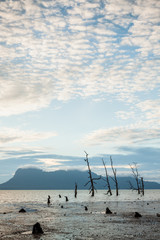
[37,229]
[108,211]
[137,215]
[22,210]
[59,195]
[158,214]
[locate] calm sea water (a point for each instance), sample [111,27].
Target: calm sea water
[39,197]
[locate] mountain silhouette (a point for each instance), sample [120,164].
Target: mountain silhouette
[37,179]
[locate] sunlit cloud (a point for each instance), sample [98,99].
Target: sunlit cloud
[49,162]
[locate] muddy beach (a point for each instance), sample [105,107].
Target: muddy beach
[71,220]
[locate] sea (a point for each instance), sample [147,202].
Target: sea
[39,197]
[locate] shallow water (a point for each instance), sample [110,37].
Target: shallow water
[40,196]
[73,222]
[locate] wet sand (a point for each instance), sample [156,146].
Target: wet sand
[74,222]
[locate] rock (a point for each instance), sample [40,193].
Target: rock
[108,211]
[137,215]
[22,210]
[86,209]
[37,229]
[158,214]
[62,206]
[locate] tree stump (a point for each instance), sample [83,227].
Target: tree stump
[37,229]
[108,211]
[137,215]
[86,209]
[22,210]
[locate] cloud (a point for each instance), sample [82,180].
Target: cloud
[51,162]
[151,109]
[64,49]
[12,135]
[121,135]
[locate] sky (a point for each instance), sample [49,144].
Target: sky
[80,75]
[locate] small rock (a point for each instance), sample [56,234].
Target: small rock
[158,214]
[22,210]
[108,211]
[37,229]
[147,203]
[4,213]
[137,215]
[62,206]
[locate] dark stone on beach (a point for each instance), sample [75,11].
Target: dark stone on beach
[62,206]
[59,195]
[37,229]
[4,213]
[108,211]
[147,203]
[86,209]
[158,214]
[22,210]
[137,215]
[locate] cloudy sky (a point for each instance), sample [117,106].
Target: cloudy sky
[80,75]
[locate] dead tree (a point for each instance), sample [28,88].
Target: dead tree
[135,174]
[75,190]
[91,179]
[115,176]
[107,179]
[142,186]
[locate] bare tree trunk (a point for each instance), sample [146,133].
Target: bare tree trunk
[75,191]
[136,177]
[107,179]
[115,176]
[142,186]
[91,181]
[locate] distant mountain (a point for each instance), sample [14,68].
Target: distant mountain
[32,178]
